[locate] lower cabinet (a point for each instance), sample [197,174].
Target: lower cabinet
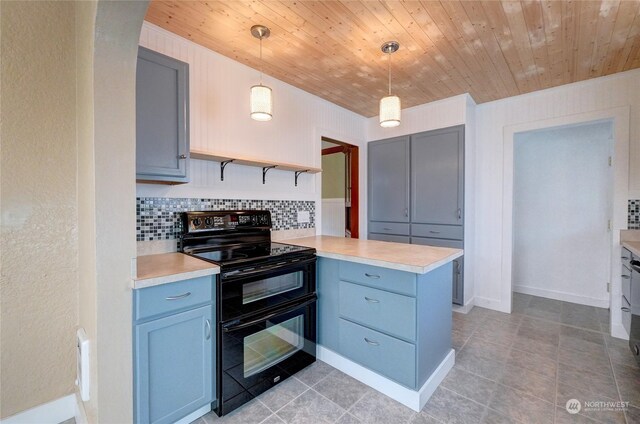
[174,355]
[395,323]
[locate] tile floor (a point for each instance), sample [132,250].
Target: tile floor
[518,368]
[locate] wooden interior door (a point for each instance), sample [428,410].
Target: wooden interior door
[352,184]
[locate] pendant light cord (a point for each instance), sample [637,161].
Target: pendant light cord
[389,67]
[261,62]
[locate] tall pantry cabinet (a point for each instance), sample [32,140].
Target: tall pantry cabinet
[416,192]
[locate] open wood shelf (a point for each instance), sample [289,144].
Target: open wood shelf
[266,165]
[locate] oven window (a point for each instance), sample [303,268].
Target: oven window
[268,287]
[272,345]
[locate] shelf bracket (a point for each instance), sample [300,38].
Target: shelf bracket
[223,165]
[298,174]
[266,169]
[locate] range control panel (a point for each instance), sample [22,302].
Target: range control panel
[225,220]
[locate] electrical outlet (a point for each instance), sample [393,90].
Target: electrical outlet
[303,217]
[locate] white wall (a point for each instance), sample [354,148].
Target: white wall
[219,101]
[333,219]
[597,97]
[562,201]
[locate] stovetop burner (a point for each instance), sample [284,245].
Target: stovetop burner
[249,252]
[228,238]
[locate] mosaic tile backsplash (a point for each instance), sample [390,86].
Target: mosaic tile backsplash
[633,222]
[157,218]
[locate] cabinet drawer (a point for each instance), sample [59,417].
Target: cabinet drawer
[377,277]
[392,313]
[454,232]
[626,257]
[425,241]
[171,297]
[626,315]
[384,354]
[389,237]
[389,228]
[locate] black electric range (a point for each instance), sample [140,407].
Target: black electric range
[266,301]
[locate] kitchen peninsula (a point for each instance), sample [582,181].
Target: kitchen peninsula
[384,313]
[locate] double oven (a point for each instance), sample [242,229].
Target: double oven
[266,294]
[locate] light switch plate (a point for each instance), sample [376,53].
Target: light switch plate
[303,216]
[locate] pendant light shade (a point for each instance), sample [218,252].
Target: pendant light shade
[261,103]
[390,111]
[390,107]
[261,95]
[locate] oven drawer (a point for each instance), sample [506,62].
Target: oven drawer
[165,298]
[454,232]
[391,313]
[626,315]
[389,228]
[387,279]
[384,354]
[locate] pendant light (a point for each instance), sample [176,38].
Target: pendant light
[261,96]
[390,105]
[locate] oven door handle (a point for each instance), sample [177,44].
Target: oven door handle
[635,265]
[239,274]
[281,311]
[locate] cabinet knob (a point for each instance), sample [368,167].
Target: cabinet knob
[182,156]
[371,342]
[406,212]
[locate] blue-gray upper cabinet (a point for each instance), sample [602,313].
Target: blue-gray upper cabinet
[162,118]
[389,180]
[437,176]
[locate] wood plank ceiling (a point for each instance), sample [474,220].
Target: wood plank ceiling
[490,49]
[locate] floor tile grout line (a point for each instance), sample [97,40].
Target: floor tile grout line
[478,403]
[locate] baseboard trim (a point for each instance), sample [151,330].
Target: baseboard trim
[410,398]
[563,296]
[487,303]
[195,415]
[618,331]
[53,412]
[466,308]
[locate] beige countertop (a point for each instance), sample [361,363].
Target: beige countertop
[404,257]
[152,270]
[633,246]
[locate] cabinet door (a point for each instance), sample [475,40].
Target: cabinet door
[389,180]
[174,365]
[162,118]
[437,169]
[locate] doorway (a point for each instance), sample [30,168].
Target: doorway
[340,189]
[562,211]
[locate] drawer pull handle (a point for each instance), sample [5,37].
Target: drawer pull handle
[179,296]
[625,309]
[626,258]
[208,330]
[368,299]
[626,277]
[377,277]
[434,232]
[371,342]
[387,228]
